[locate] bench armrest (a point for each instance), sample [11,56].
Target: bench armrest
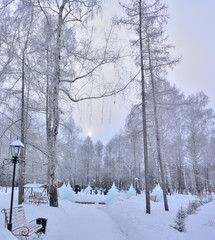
[33,220]
[23,232]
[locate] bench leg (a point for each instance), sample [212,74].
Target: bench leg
[39,234]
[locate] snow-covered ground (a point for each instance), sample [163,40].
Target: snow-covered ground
[120,219]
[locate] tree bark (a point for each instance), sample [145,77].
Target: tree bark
[23,129]
[157,133]
[53,119]
[148,210]
[24,114]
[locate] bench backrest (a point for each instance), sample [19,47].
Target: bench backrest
[37,194]
[201,195]
[18,216]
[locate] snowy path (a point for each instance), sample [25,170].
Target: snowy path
[71,221]
[79,222]
[122,219]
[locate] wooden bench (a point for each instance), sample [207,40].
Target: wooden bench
[37,198]
[20,228]
[201,195]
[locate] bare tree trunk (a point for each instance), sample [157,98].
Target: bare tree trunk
[88,161]
[184,177]
[195,165]
[157,133]
[148,210]
[8,170]
[24,112]
[23,129]
[135,162]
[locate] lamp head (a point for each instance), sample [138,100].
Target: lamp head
[16,147]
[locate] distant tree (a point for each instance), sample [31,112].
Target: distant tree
[98,161]
[68,145]
[109,160]
[87,156]
[198,120]
[134,148]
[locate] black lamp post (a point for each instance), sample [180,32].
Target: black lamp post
[15,148]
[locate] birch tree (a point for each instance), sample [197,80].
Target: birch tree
[72,64]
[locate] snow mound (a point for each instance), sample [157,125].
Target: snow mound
[131,192]
[158,192]
[112,193]
[5,234]
[67,193]
[88,189]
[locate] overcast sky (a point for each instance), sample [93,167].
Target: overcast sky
[191,29]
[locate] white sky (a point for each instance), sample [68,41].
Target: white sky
[191,29]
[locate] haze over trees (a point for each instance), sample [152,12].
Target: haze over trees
[49,61]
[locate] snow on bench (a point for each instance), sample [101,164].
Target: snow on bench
[19,225]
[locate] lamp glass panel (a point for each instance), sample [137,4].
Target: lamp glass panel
[15,150]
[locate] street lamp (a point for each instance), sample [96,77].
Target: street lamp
[136,180]
[15,147]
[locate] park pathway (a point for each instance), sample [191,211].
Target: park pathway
[78,222]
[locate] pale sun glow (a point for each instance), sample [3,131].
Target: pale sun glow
[89,134]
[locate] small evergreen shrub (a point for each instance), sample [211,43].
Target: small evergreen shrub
[201,202]
[193,206]
[180,220]
[191,209]
[197,203]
